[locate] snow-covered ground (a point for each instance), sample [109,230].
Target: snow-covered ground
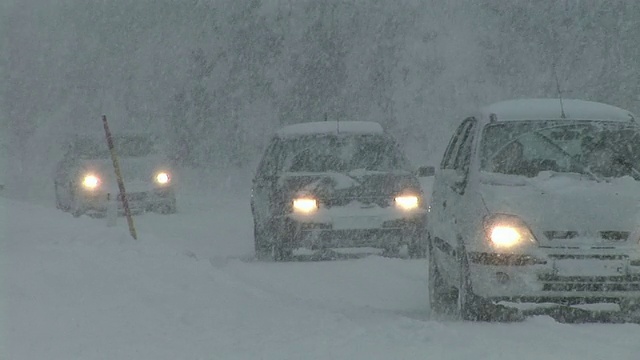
[77,289]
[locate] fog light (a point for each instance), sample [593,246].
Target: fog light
[502,278]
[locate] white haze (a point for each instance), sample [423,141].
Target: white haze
[220,76]
[215,79]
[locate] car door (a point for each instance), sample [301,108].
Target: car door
[265,184]
[449,190]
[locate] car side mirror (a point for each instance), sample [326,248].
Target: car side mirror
[426,171]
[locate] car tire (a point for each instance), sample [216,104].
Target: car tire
[417,248]
[442,298]
[285,236]
[60,204]
[75,208]
[630,308]
[471,307]
[77,212]
[57,195]
[168,208]
[467,304]
[262,247]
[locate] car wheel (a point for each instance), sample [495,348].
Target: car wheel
[391,251]
[75,207]
[60,203]
[631,309]
[417,248]
[77,212]
[168,208]
[57,195]
[281,253]
[272,241]
[262,246]
[285,236]
[442,298]
[471,307]
[466,308]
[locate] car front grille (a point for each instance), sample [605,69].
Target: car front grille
[135,196]
[364,201]
[610,282]
[614,235]
[377,238]
[620,283]
[609,236]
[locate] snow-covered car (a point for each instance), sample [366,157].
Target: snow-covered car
[85,181]
[537,201]
[327,185]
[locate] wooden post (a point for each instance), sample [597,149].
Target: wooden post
[112,209]
[116,167]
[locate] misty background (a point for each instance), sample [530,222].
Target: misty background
[215,79]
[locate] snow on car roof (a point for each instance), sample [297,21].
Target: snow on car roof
[329,127]
[549,109]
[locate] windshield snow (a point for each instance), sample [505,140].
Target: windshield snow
[126,146]
[342,154]
[598,149]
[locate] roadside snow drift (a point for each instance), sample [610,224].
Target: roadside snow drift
[76,289]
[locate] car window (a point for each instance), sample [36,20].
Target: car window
[463,155]
[447,162]
[268,164]
[599,149]
[125,145]
[450,156]
[332,153]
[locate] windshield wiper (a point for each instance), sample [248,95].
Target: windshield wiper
[583,168]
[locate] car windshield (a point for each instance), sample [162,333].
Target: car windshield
[598,149]
[126,146]
[330,153]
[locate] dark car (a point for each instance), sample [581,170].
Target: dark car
[327,185]
[85,178]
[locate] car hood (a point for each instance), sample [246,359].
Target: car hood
[567,205]
[340,188]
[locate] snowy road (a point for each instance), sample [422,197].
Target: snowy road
[75,289]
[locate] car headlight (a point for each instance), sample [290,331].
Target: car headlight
[162,178]
[407,202]
[508,231]
[90,182]
[305,205]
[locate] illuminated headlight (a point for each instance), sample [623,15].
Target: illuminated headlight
[305,205]
[407,202]
[163,178]
[90,182]
[506,231]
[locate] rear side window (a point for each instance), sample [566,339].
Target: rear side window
[458,153]
[269,164]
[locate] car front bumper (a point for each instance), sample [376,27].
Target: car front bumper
[575,278]
[138,201]
[384,228]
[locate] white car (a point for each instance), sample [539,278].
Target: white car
[537,201]
[85,179]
